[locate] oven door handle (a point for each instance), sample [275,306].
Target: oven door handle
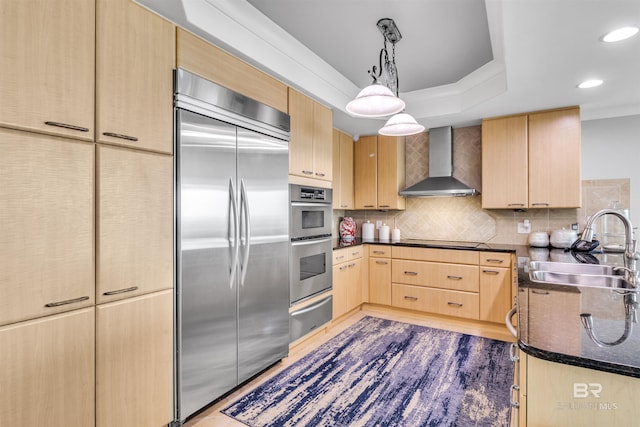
[310,241]
[321,205]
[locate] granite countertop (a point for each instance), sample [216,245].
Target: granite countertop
[549,325]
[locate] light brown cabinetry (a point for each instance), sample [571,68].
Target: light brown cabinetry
[47,211]
[495,286]
[342,170]
[532,160]
[47,81]
[206,60]
[310,149]
[47,374]
[135,58]
[134,223]
[379,172]
[347,280]
[452,282]
[564,395]
[379,274]
[134,339]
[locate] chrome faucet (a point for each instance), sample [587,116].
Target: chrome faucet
[630,254]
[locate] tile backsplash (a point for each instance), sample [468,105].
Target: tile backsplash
[462,218]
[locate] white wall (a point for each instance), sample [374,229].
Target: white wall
[611,150]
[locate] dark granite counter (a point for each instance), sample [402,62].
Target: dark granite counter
[549,325]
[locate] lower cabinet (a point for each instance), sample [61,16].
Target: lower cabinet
[379,274]
[556,394]
[134,374]
[47,375]
[438,301]
[347,280]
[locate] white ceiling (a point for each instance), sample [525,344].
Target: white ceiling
[458,60]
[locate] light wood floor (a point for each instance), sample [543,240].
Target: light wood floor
[212,417]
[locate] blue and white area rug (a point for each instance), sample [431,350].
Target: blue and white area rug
[385,373]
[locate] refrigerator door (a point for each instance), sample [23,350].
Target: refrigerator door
[263,164]
[207,241]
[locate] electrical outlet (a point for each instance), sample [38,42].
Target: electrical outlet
[524,227]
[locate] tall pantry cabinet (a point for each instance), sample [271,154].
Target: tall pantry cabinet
[86,257]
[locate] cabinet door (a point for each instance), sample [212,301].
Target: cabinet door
[354,284]
[301,145]
[322,145]
[134,223]
[342,170]
[505,163]
[365,165]
[554,159]
[340,283]
[135,58]
[47,376]
[134,346]
[380,281]
[391,176]
[47,211]
[495,293]
[47,80]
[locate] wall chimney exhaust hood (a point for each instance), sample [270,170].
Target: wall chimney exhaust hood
[440,181]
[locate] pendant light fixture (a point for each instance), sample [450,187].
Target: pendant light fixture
[380,99]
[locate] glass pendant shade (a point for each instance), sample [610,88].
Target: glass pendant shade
[375,100]
[400,125]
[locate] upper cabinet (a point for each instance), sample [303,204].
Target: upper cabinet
[311,138]
[47,211]
[342,170]
[379,172]
[532,160]
[57,36]
[135,57]
[212,63]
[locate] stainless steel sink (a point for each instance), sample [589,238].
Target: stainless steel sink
[591,280]
[571,268]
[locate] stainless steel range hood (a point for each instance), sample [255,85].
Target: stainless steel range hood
[440,181]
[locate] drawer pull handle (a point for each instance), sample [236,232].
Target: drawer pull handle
[490,271]
[340,257]
[515,204]
[355,253]
[540,204]
[494,260]
[67,126]
[344,267]
[454,304]
[344,206]
[120,136]
[319,174]
[69,301]
[385,206]
[454,277]
[121,291]
[353,264]
[411,298]
[410,273]
[369,206]
[382,262]
[379,252]
[540,292]
[307,172]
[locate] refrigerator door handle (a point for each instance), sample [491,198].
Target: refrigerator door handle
[235,246]
[246,244]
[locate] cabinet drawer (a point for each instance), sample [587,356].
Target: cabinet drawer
[340,255]
[435,275]
[310,317]
[495,259]
[453,256]
[439,301]
[355,252]
[380,251]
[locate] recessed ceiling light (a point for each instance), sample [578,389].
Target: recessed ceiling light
[620,34]
[590,83]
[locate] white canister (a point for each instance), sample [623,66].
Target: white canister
[395,235]
[368,231]
[383,232]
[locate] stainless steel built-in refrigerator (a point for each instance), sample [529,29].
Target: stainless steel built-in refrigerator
[232,236]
